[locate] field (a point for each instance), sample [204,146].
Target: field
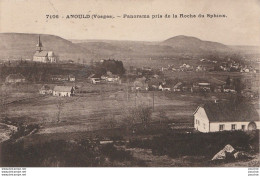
[102,112]
[92,111]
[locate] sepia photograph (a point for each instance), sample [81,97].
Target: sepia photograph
[127,83]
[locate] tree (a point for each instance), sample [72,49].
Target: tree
[228,81]
[162,116]
[3,101]
[144,114]
[91,62]
[130,120]
[60,106]
[239,86]
[112,122]
[236,100]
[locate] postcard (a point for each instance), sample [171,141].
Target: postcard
[129,83]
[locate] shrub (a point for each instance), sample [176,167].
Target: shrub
[60,153]
[198,144]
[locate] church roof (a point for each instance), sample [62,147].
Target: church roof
[44,54]
[41,54]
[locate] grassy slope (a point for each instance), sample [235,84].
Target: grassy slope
[15,46]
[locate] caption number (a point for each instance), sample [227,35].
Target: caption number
[52,16]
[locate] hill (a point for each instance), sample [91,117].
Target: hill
[174,46]
[18,45]
[193,44]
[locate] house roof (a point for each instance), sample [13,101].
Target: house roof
[47,87]
[60,76]
[15,76]
[227,112]
[165,86]
[154,81]
[228,87]
[62,88]
[113,76]
[140,82]
[94,76]
[177,85]
[71,76]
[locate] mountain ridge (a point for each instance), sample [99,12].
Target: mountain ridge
[23,45]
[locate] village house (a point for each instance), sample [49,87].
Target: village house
[46,90]
[70,61]
[60,78]
[186,67]
[177,87]
[146,68]
[140,84]
[72,78]
[218,88]
[224,68]
[185,88]
[43,56]
[164,88]
[229,89]
[15,78]
[63,91]
[182,87]
[154,83]
[156,76]
[111,78]
[214,117]
[169,67]
[201,87]
[94,79]
[164,69]
[249,93]
[200,68]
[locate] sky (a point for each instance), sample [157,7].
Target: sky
[240,27]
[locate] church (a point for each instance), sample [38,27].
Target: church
[43,56]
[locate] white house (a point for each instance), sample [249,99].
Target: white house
[63,91]
[109,77]
[213,117]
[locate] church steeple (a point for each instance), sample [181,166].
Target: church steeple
[39,45]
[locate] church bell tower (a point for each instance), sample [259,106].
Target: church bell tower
[39,45]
